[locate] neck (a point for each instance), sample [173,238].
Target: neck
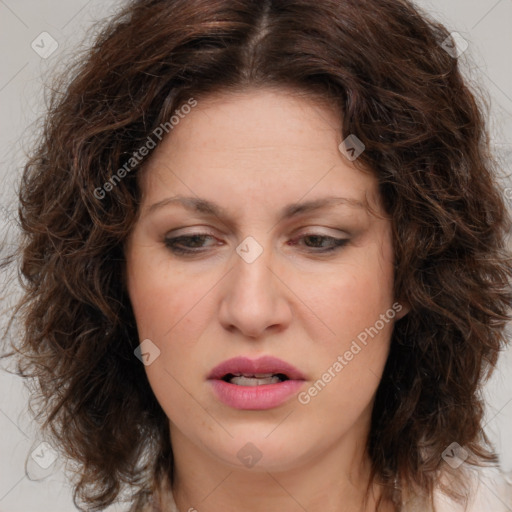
[335,480]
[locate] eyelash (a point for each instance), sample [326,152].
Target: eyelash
[171,243]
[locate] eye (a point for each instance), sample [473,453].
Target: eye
[317,242]
[193,244]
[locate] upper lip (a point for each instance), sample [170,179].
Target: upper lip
[246,366]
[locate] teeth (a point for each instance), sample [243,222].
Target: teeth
[257,375]
[257,380]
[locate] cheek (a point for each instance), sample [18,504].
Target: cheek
[357,353]
[170,311]
[160,296]
[164,312]
[352,303]
[352,298]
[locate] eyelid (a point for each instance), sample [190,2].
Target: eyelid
[319,230]
[336,243]
[201,230]
[309,230]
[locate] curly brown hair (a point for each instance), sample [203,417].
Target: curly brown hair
[382,63]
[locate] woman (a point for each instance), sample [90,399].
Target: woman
[264,263]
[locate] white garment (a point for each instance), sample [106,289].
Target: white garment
[491,491]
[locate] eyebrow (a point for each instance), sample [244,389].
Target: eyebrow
[200,205]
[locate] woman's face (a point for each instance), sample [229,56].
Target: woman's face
[261,280]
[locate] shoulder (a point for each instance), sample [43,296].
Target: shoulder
[489,490]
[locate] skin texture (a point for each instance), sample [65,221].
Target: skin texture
[253,152]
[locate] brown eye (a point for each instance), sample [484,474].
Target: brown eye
[192,243]
[322,243]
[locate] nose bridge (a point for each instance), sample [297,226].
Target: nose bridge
[252,300]
[253,264]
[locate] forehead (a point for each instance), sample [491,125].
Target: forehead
[268,146]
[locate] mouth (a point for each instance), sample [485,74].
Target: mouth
[243,371]
[240,379]
[255,384]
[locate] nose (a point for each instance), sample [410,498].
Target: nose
[255,297]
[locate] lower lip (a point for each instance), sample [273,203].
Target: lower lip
[266,396]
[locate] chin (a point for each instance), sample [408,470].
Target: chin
[258,453]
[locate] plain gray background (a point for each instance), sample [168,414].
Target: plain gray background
[25,63]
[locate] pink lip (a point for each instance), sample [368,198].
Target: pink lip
[264,364]
[266,396]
